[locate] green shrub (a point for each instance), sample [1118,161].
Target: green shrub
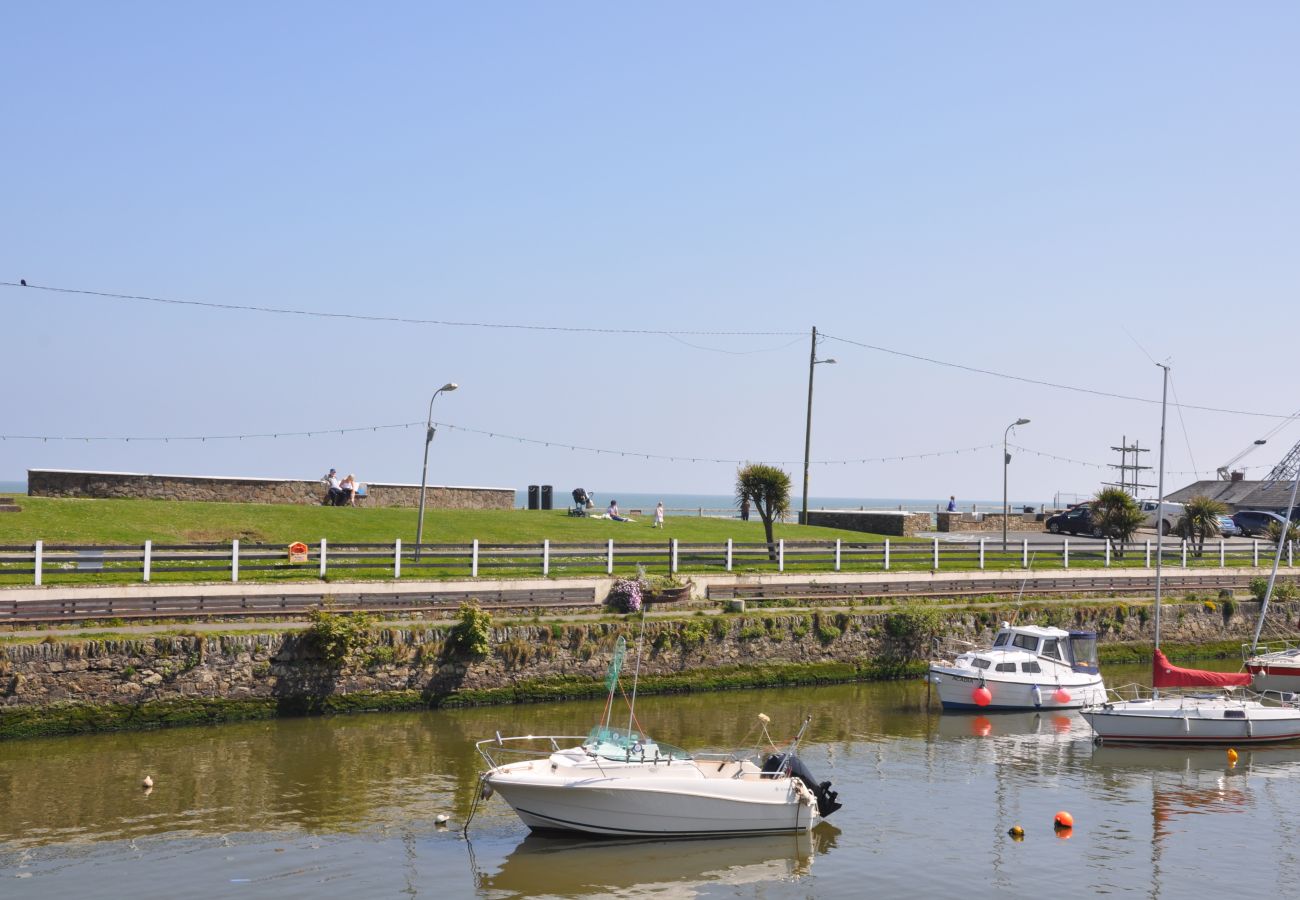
[335,636]
[472,635]
[912,623]
[693,634]
[752,632]
[1258,587]
[383,655]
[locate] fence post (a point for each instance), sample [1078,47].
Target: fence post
[886,554]
[234,560]
[1065,553]
[38,561]
[473,559]
[936,554]
[1148,562]
[981,554]
[609,557]
[729,554]
[546,557]
[1108,553]
[322,557]
[674,557]
[1222,554]
[1290,556]
[148,560]
[780,555]
[1024,553]
[1184,553]
[1254,546]
[397,558]
[837,554]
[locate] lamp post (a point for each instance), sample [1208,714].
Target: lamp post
[813,362]
[1006,460]
[424,472]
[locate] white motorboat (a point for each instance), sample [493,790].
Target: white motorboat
[1145,715]
[619,782]
[1028,667]
[1274,667]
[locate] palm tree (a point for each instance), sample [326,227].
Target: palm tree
[767,488]
[1200,519]
[1116,515]
[1275,532]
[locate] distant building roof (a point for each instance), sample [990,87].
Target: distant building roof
[1238,495]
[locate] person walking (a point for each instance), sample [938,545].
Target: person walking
[659,514]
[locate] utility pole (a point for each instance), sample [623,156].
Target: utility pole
[813,362]
[1127,482]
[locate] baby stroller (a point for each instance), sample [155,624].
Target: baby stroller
[582,501]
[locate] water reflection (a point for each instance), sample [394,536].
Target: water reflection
[548,865]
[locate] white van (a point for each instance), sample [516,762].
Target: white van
[1172,513]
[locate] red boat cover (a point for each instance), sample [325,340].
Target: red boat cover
[1166,675]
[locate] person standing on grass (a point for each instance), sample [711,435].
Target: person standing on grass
[659,514]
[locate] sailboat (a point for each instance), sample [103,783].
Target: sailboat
[1203,717]
[1275,668]
[620,782]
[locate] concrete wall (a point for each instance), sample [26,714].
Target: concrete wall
[900,524]
[957,521]
[68,483]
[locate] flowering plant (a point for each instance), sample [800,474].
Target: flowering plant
[626,594]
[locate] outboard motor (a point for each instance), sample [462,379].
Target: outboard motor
[779,763]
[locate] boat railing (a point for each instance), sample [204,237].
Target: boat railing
[1270,648]
[523,745]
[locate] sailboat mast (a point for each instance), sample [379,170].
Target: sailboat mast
[1277,560]
[1160,496]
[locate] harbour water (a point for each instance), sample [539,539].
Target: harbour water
[346,807]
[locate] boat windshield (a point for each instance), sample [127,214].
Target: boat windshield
[624,744]
[1083,651]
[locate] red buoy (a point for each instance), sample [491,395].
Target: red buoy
[982,696]
[1061,696]
[1063,820]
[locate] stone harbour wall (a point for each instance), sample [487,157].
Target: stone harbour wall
[990,522]
[900,524]
[204,488]
[60,681]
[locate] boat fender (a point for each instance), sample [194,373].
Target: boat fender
[1038,696]
[486,791]
[782,763]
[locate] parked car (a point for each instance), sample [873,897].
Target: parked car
[1077,520]
[1254,523]
[1227,527]
[1172,513]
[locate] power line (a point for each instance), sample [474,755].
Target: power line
[1051,384]
[402,320]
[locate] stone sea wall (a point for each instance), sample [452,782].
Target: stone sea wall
[900,524]
[987,522]
[68,685]
[114,485]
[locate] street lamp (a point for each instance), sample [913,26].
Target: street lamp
[1006,460]
[813,362]
[428,439]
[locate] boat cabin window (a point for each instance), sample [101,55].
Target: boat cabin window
[1026,642]
[1001,640]
[980,662]
[1006,667]
[1030,667]
[1083,650]
[1052,648]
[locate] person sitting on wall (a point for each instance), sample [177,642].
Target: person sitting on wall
[333,496]
[612,512]
[348,490]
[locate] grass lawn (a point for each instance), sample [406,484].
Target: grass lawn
[67,521]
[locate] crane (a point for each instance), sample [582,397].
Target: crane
[1288,464]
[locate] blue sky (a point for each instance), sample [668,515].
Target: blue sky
[1036,189]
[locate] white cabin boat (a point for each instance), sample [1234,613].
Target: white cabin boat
[1028,667]
[621,783]
[1274,667]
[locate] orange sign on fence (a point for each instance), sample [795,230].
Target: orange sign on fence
[297,552]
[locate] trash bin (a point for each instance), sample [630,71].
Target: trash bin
[534,496]
[548,497]
[1029,509]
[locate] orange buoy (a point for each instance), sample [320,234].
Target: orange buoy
[1061,696]
[1063,820]
[1232,757]
[982,696]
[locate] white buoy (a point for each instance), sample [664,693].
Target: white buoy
[147,783]
[441,818]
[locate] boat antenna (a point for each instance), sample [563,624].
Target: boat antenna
[636,670]
[1160,496]
[1283,533]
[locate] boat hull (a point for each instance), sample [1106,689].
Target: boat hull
[956,688]
[1193,721]
[1273,676]
[658,805]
